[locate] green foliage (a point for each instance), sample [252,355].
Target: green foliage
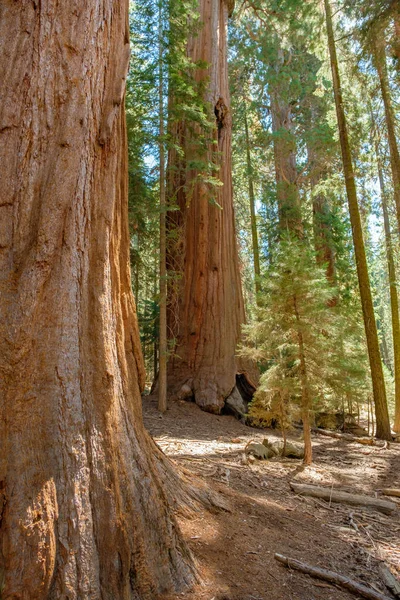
[277,50]
[298,316]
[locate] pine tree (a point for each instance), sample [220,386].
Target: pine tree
[294,337]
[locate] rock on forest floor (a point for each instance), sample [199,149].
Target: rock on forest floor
[235,550]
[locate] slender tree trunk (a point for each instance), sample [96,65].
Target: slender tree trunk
[384,348]
[305,394]
[254,234]
[137,273]
[163,343]
[381,67]
[378,382]
[205,292]
[394,300]
[82,486]
[396,44]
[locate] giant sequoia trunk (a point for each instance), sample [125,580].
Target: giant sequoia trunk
[83,510]
[205,298]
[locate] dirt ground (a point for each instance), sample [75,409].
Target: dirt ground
[235,550]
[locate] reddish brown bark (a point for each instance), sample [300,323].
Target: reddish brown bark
[284,153]
[205,298]
[84,511]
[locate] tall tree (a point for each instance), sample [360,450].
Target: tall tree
[378,382]
[287,190]
[253,220]
[319,144]
[206,305]
[379,55]
[163,340]
[77,468]
[394,300]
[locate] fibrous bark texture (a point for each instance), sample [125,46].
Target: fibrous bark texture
[84,514]
[205,298]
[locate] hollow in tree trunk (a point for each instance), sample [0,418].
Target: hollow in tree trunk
[83,489]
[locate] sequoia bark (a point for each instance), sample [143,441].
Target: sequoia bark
[83,509]
[205,298]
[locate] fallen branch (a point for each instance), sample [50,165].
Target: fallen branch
[366,441]
[384,506]
[332,577]
[391,492]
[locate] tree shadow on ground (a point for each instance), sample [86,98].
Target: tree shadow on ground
[235,550]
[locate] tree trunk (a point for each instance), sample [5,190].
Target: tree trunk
[323,245]
[254,234]
[396,41]
[305,394]
[84,510]
[284,154]
[394,300]
[163,342]
[378,382]
[206,305]
[381,67]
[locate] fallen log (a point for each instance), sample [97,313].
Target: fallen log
[391,492]
[331,495]
[331,577]
[366,441]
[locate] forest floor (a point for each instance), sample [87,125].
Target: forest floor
[235,550]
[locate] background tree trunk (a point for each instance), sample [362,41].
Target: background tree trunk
[253,220]
[85,514]
[381,67]
[378,382]
[284,153]
[394,299]
[163,340]
[323,244]
[205,297]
